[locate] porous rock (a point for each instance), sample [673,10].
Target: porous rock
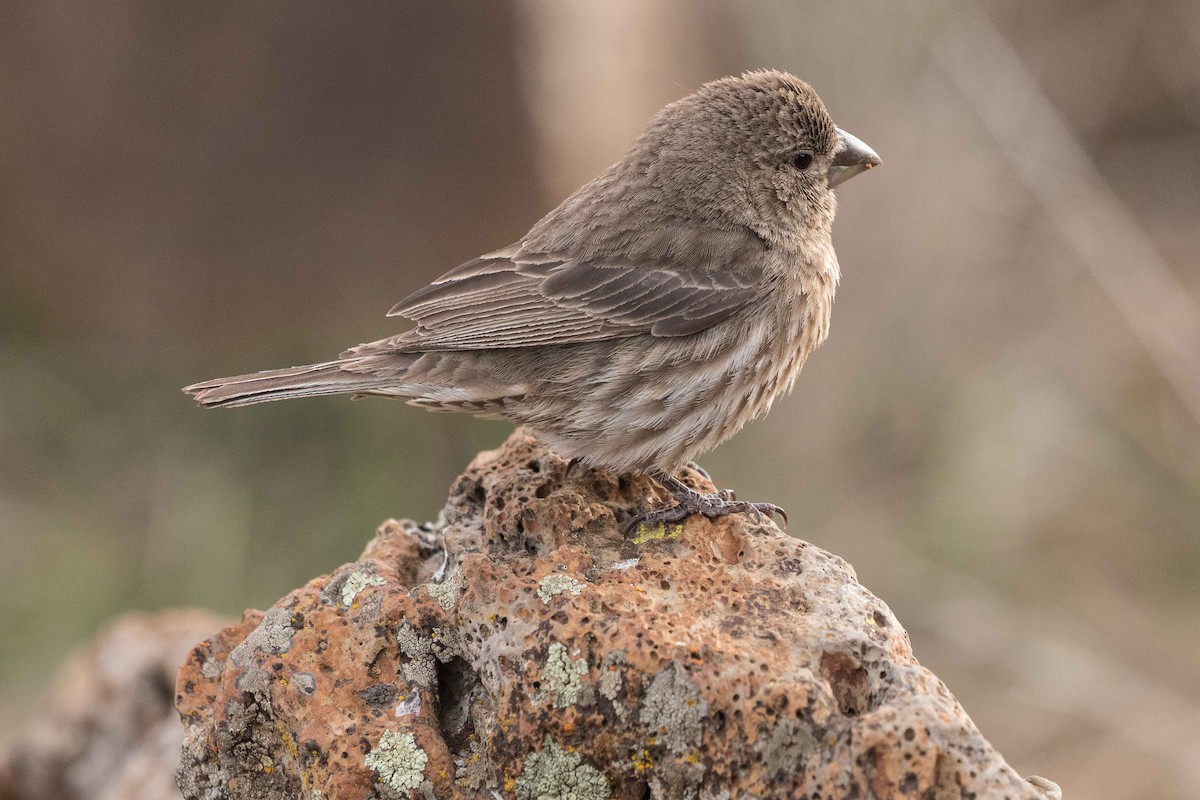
[523,647]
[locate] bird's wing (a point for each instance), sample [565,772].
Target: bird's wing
[515,298]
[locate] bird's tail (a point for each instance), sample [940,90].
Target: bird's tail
[311,380]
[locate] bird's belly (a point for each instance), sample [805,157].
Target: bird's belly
[653,404]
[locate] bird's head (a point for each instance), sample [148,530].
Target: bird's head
[759,150]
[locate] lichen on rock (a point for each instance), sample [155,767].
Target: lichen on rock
[561,659]
[612,681]
[552,586]
[398,761]
[444,592]
[417,648]
[553,773]
[356,583]
[674,708]
[561,678]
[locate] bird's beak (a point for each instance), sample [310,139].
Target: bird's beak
[852,157]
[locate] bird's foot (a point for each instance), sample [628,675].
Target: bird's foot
[689,502]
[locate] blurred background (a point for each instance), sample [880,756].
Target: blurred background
[1002,433]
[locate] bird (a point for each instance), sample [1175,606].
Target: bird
[650,315]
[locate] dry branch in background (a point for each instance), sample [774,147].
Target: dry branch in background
[1154,304]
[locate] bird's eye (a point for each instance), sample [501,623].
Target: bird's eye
[802,160]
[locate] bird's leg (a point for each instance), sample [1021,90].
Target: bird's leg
[688,502]
[726,494]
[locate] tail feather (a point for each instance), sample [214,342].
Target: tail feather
[310,380]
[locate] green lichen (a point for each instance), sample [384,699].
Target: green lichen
[674,709]
[398,761]
[557,774]
[355,584]
[445,592]
[560,677]
[553,585]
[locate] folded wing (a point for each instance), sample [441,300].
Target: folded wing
[518,298]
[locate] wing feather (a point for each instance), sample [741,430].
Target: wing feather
[519,297]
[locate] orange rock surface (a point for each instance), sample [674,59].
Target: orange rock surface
[553,657]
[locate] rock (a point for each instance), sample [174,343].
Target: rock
[110,730]
[558,659]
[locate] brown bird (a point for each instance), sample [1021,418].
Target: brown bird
[649,316]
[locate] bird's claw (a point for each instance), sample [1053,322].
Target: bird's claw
[756,510]
[711,506]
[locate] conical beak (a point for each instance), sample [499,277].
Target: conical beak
[852,157]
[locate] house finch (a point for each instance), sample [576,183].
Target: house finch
[649,316]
